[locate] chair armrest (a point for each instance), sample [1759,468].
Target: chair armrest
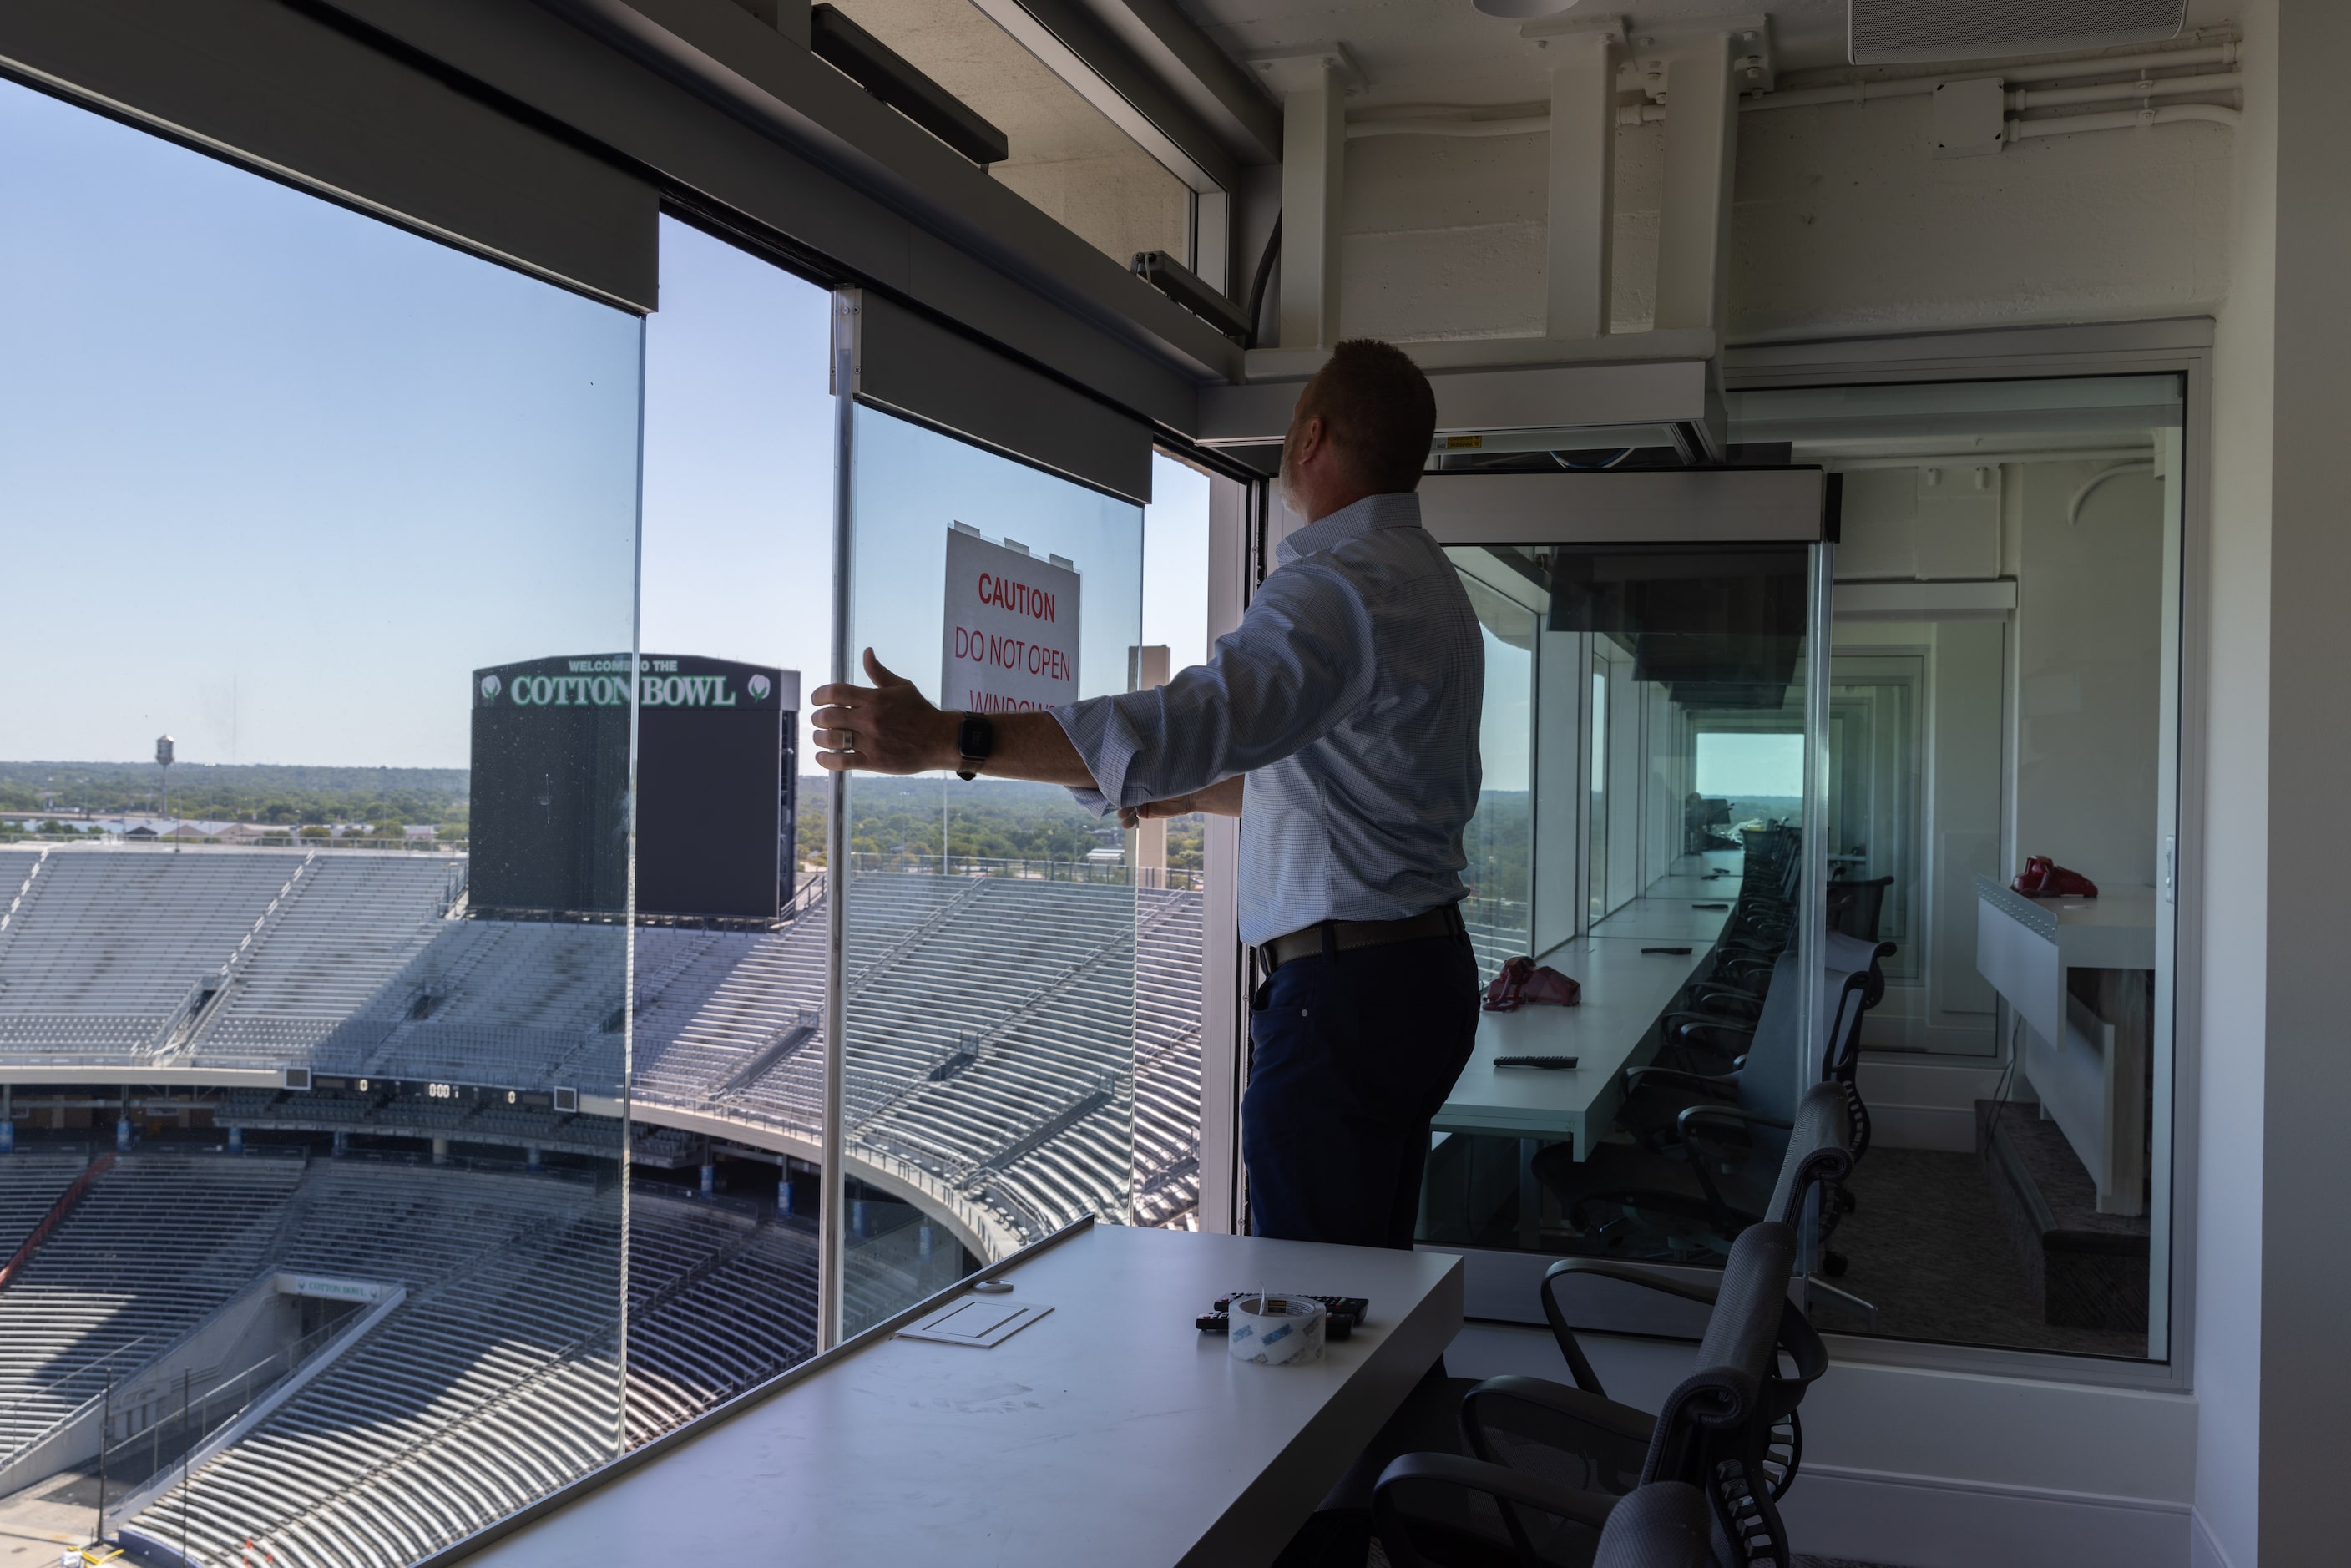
[1578,1363]
[1724,1114]
[1704,1288]
[1594,1410]
[1633,1076]
[1533,1491]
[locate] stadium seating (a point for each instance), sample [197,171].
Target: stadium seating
[1030,1047]
[495,1379]
[155,1246]
[30,1184]
[107,948]
[352,921]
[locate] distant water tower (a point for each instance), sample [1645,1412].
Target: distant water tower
[164,761]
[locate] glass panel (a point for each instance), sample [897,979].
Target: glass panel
[315,1013]
[1499,839]
[730,984]
[2004,685]
[1170,860]
[991,1016]
[1068,159]
[1687,705]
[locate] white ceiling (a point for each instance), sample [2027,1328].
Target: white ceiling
[1448,52]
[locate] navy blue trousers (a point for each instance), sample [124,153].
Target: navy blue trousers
[1354,1053]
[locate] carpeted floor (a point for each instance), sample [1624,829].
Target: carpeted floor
[1928,1249]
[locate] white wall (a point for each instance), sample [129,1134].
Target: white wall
[2227,1096]
[1842,223]
[2089,650]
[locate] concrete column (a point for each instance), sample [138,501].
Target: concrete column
[439,1151]
[533,1158]
[122,1136]
[1701,146]
[709,1181]
[1312,87]
[857,1217]
[236,1139]
[783,1195]
[342,1144]
[1582,179]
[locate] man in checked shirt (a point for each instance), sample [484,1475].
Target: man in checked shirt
[1339,722]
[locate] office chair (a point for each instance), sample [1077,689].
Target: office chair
[1549,1463]
[1855,908]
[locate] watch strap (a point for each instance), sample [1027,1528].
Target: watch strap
[975,743]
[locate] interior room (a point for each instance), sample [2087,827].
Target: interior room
[1502,782]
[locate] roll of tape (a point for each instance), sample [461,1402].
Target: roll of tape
[1276,1331]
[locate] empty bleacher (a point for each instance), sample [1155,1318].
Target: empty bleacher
[157,1244]
[30,1184]
[352,921]
[1030,1045]
[497,1378]
[107,948]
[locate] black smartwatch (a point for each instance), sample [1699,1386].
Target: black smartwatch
[975,741]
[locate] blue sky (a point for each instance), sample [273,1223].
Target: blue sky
[280,475]
[278,485]
[1746,765]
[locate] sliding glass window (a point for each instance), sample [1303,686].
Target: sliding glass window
[990,1051]
[315,791]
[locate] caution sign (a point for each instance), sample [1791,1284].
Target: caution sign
[1011,642]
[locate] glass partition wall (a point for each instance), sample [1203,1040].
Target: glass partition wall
[2003,688]
[992,926]
[1650,710]
[314,867]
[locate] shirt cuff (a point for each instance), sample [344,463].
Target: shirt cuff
[1106,742]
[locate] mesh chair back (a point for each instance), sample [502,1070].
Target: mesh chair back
[1716,1429]
[1666,1525]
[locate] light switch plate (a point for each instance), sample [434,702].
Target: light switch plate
[977,1321]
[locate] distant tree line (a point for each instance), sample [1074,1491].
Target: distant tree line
[278,795]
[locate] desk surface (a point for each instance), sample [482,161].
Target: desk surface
[1715,874]
[1108,1432]
[1625,990]
[1662,918]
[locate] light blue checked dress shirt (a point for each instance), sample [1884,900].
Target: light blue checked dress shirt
[1350,696]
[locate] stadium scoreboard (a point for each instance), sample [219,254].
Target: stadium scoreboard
[716,761]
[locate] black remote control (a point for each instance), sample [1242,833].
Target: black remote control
[1556,1063]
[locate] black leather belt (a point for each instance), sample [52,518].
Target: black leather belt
[1445,920]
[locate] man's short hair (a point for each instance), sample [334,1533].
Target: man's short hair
[1377,411]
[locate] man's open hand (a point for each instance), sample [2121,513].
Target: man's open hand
[886,727]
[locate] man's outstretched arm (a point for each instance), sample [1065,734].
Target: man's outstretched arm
[890,728]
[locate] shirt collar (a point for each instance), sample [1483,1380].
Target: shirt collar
[1398,509]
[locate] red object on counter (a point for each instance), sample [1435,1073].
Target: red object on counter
[1523,982]
[2045,878]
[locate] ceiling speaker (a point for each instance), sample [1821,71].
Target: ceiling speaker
[1908,32]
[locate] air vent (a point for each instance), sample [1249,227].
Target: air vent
[1908,32]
